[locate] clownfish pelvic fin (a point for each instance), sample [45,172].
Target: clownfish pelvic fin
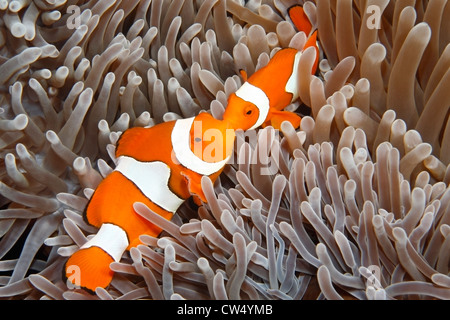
[194,186]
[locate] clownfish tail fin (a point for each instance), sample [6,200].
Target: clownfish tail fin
[88,268]
[300,19]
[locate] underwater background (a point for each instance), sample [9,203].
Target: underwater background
[356,205]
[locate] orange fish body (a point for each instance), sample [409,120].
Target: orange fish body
[161,167]
[263,96]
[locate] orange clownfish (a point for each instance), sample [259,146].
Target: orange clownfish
[160,166]
[263,96]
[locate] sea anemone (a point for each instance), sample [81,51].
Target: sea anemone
[352,205]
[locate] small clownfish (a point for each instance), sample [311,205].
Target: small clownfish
[263,96]
[160,166]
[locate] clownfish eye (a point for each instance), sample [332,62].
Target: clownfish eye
[198,139]
[248,111]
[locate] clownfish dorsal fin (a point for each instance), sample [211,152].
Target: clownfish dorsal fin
[243,74]
[300,19]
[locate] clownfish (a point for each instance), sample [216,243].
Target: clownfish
[263,96]
[160,166]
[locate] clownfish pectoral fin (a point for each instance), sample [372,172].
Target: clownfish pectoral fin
[300,19]
[89,268]
[278,117]
[243,74]
[195,188]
